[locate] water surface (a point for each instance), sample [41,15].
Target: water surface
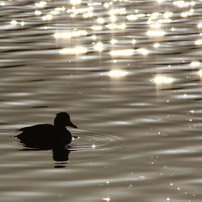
[128,73]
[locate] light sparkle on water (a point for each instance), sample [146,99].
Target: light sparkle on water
[155,33]
[117,73]
[122,53]
[200,72]
[195,63]
[106,199]
[156,45]
[73,51]
[161,79]
[198,42]
[14,22]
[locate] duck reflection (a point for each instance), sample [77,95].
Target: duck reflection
[49,137]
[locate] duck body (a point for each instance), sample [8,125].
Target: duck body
[47,136]
[44,135]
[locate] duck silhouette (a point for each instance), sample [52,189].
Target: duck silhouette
[47,136]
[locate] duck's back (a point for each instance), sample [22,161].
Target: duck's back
[44,136]
[40,129]
[41,135]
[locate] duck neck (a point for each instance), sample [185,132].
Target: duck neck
[58,123]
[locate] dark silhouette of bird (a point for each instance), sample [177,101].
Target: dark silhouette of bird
[47,136]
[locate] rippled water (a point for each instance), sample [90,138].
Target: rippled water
[128,73]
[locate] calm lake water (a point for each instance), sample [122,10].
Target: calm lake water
[129,74]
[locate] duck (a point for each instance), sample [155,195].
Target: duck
[47,136]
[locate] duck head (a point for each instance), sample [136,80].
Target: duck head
[62,119]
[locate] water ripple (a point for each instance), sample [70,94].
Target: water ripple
[86,141]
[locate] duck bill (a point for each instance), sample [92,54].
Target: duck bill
[72,125]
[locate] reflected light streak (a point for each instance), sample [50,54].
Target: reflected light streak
[155,33]
[198,42]
[41,4]
[22,23]
[113,41]
[116,26]
[155,25]
[79,33]
[72,15]
[140,15]
[106,199]
[80,10]
[117,73]
[121,11]
[14,22]
[94,37]
[47,17]
[200,72]
[73,51]
[181,4]
[98,46]
[85,15]
[60,8]
[100,20]
[62,35]
[131,17]
[88,15]
[113,18]
[94,3]
[106,5]
[159,79]
[165,20]
[54,12]
[156,45]
[168,14]
[154,16]
[65,35]
[143,51]
[37,12]
[126,52]
[184,14]
[75,2]
[199,25]
[195,63]
[191,11]
[96,27]
[133,41]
